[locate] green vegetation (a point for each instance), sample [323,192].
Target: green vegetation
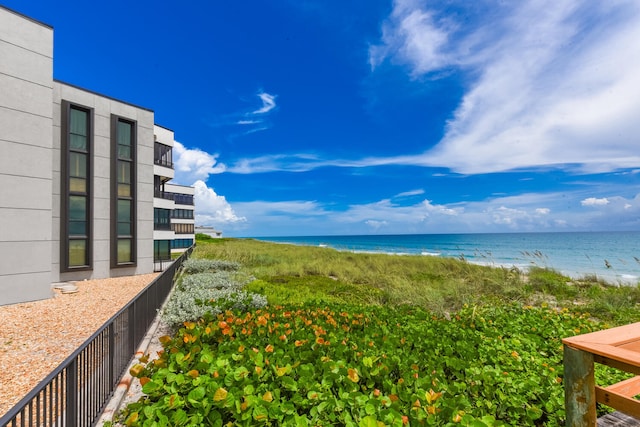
[370,340]
[288,273]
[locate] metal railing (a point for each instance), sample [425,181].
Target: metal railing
[77,391]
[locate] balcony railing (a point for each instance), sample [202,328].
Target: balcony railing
[163,162]
[163,195]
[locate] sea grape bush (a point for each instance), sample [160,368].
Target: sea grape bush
[193,265]
[310,365]
[202,293]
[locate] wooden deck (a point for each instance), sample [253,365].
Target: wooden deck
[618,419]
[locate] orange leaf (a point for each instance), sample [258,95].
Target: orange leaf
[220,394]
[193,373]
[267,397]
[353,375]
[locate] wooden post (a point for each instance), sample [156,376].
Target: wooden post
[579,388]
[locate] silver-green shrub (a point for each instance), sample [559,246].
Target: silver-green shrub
[202,293]
[218,280]
[194,266]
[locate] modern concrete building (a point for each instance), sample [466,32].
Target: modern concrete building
[182,217]
[77,175]
[173,206]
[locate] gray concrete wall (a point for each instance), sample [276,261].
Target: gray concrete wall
[103,108]
[26,81]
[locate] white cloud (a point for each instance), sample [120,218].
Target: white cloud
[213,209]
[375,225]
[520,213]
[592,201]
[410,193]
[411,36]
[554,81]
[268,103]
[192,164]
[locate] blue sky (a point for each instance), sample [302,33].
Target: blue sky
[312,117]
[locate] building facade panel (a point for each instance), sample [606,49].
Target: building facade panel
[18,192]
[24,64]
[22,229]
[14,290]
[25,32]
[25,96]
[25,105]
[13,129]
[16,158]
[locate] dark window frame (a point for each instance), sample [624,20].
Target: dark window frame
[65,187]
[164,256]
[161,219]
[115,196]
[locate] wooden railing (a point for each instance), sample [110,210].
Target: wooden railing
[617,347]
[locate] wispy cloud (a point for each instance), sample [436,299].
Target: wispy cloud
[250,120]
[551,82]
[268,103]
[410,193]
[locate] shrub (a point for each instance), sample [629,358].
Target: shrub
[349,365]
[193,266]
[203,293]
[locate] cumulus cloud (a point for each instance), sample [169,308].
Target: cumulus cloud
[213,209]
[192,164]
[543,211]
[551,82]
[592,201]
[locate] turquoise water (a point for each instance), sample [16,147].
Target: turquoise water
[614,256]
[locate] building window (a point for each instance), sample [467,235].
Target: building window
[76,206]
[183,228]
[182,214]
[161,219]
[183,199]
[161,250]
[162,155]
[123,235]
[181,243]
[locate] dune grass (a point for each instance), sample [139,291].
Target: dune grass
[289,273]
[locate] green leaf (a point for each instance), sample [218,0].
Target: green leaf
[368,421]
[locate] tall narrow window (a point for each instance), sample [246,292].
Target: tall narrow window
[123,242]
[76,188]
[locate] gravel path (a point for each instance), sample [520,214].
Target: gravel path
[35,337]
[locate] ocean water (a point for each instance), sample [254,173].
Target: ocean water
[613,256]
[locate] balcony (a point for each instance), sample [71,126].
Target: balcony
[162,155]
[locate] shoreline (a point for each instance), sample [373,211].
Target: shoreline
[523,261]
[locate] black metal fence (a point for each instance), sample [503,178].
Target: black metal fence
[77,391]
